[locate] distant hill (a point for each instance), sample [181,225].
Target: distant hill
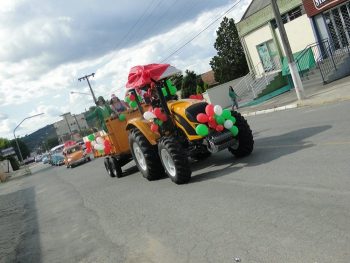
[35,140]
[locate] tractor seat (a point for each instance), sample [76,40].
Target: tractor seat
[193,110]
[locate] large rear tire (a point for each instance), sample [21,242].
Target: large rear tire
[145,156]
[245,143]
[174,160]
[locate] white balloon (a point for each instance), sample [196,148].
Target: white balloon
[228,124]
[218,110]
[149,115]
[100,140]
[99,146]
[93,143]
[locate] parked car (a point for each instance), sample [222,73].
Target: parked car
[45,159]
[57,159]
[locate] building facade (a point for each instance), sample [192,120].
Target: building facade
[331,20]
[70,126]
[260,36]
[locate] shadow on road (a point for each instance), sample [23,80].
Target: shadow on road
[266,150]
[19,239]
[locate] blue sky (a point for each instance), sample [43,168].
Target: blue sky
[46,45]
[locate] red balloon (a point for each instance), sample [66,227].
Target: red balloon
[211,119]
[132,97]
[219,128]
[88,147]
[193,97]
[157,112]
[199,96]
[209,110]
[212,124]
[202,118]
[154,127]
[163,117]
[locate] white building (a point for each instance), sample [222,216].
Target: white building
[70,125]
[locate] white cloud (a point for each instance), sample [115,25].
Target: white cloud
[3,116]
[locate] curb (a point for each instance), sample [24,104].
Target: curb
[295,105]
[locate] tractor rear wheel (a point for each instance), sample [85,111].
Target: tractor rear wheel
[108,168]
[174,160]
[115,168]
[145,156]
[245,142]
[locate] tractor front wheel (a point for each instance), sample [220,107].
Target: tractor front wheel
[145,156]
[245,143]
[174,160]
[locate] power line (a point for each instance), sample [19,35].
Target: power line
[125,37]
[193,38]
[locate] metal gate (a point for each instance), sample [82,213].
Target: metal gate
[338,22]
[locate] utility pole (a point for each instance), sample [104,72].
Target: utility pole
[87,79]
[298,85]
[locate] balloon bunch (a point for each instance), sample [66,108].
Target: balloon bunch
[157,117]
[196,97]
[217,119]
[100,144]
[171,87]
[131,100]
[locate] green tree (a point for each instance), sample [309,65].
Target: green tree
[5,143]
[52,142]
[230,62]
[189,84]
[24,149]
[177,80]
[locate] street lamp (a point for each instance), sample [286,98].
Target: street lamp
[14,133]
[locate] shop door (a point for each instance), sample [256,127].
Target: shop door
[338,22]
[265,57]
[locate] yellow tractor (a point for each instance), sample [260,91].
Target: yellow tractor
[164,137]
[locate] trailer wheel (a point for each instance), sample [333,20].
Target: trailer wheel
[174,160]
[145,156]
[245,143]
[108,168]
[115,168]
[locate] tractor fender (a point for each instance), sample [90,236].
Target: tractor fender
[145,128]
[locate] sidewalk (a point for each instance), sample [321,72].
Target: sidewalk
[336,91]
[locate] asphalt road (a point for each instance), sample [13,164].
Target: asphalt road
[287,202]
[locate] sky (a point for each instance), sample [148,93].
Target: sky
[46,45]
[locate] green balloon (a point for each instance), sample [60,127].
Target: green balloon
[91,137]
[159,122]
[164,92]
[139,97]
[226,114]
[133,104]
[220,119]
[202,130]
[127,99]
[101,151]
[234,130]
[173,90]
[122,117]
[233,119]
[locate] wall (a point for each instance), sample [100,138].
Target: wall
[5,166]
[299,32]
[255,38]
[219,94]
